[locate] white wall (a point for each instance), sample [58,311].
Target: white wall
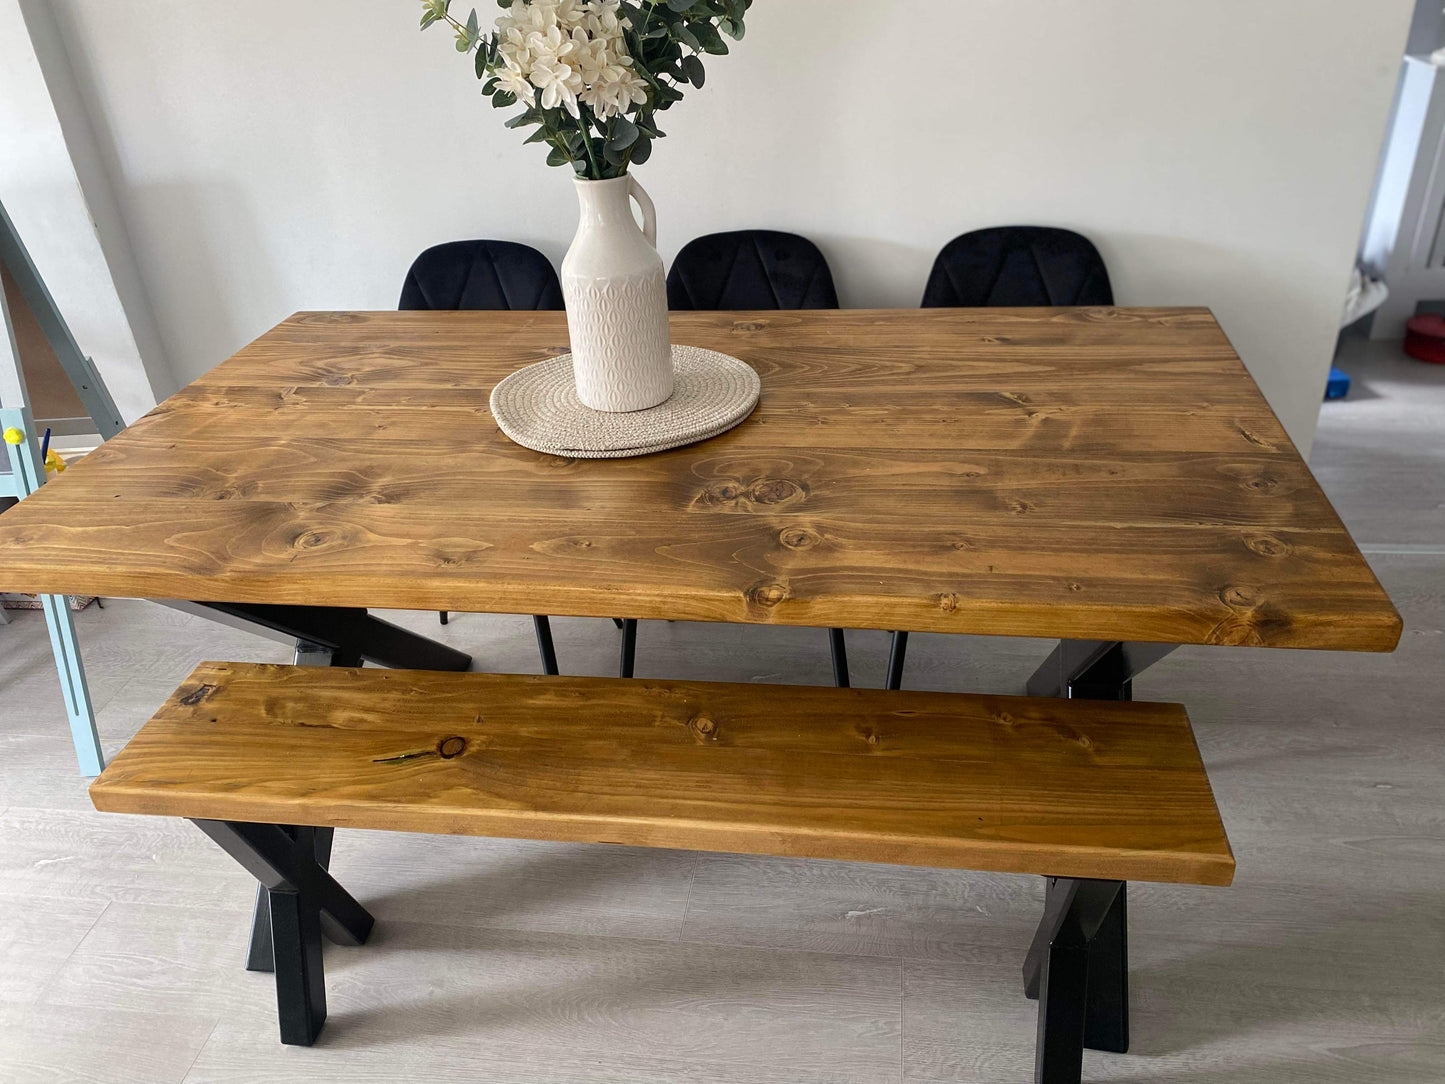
[271,156]
[86,268]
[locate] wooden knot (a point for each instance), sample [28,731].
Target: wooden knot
[338,380]
[703,727]
[719,493]
[1239,597]
[1262,483]
[310,540]
[1254,438]
[767,594]
[451,748]
[746,326]
[799,538]
[191,699]
[947,602]
[1267,546]
[775,491]
[1018,506]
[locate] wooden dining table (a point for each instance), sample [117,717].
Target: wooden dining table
[1108,477]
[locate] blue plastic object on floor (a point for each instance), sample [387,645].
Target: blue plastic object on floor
[1339,385]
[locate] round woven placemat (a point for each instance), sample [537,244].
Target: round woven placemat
[538,408]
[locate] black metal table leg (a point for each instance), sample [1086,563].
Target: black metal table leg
[545,647]
[1077,914]
[1095,669]
[351,634]
[839,650]
[897,655]
[629,647]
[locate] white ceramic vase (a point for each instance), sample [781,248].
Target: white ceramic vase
[616,294]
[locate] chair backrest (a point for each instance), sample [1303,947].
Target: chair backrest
[1018,265]
[481,275]
[750,269]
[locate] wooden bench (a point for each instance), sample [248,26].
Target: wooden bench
[1092,794]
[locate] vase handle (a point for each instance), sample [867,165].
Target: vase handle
[649,212]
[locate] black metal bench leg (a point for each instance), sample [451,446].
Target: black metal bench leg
[259,956]
[896,658]
[303,901]
[1083,926]
[545,647]
[839,649]
[629,647]
[300,976]
[1106,1022]
[1063,987]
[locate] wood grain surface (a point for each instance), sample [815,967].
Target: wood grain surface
[1105,474]
[1009,784]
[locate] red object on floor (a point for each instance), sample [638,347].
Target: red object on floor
[1425,338]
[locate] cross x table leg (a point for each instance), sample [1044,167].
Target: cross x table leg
[1095,669]
[350,634]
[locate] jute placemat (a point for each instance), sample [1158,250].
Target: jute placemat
[538,408]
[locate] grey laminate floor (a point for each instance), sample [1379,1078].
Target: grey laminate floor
[121,938]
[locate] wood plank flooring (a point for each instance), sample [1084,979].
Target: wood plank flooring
[122,937]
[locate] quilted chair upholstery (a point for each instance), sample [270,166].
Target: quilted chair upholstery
[1018,265]
[750,269]
[481,275]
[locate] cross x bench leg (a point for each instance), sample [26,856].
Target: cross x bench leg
[1077,968]
[303,901]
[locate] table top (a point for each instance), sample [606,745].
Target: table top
[1095,474]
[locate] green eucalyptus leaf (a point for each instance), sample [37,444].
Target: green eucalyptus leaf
[624,134]
[695,72]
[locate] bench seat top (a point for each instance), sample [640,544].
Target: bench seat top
[1067,788]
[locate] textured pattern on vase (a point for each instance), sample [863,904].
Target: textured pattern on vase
[620,340]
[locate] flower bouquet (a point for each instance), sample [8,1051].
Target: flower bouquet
[588,78]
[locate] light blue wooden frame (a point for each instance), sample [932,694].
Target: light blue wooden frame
[26,475]
[27,471]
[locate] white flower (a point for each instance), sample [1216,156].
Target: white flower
[615,90]
[511,79]
[569,50]
[559,83]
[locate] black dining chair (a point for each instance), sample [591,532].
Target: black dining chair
[1016,266]
[486,275]
[1010,267]
[756,269]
